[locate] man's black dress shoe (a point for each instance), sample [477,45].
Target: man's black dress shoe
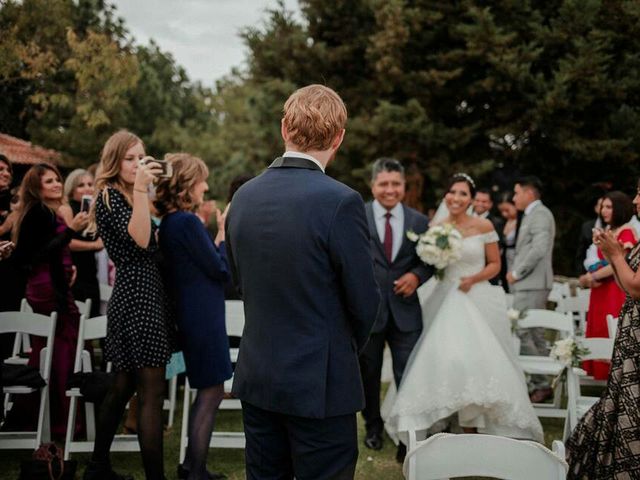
[373,440]
[401,453]
[183,474]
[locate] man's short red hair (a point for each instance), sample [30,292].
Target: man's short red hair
[313,116]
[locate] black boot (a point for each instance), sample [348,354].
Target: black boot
[102,471]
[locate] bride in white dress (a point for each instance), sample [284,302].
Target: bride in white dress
[464,361]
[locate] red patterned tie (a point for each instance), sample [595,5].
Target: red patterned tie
[388,238]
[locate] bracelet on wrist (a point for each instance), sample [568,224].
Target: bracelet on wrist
[140,191]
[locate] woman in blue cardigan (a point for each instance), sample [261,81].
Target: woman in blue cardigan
[196,270]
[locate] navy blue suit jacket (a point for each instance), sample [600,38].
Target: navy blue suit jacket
[299,252]
[406,311]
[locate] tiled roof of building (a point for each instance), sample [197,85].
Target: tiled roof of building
[21,151]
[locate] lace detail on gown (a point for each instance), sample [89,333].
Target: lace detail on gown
[464,362]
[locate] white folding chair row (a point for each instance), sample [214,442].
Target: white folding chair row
[41,326]
[90,329]
[447,455]
[562,324]
[234,321]
[578,404]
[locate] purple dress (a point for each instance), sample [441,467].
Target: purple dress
[43,248]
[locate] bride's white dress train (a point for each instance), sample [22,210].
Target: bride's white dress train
[464,362]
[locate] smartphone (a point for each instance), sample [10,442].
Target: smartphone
[167,168]
[85,203]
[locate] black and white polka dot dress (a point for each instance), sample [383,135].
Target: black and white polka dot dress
[139,331]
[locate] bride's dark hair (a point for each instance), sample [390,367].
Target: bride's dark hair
[462,177]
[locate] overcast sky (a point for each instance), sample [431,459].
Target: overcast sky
[202,35]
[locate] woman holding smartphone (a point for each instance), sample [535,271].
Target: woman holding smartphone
[196,272]
[78,191]
[139,333]
[42,249]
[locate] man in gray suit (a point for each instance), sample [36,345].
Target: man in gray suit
[399,272]
[532,274]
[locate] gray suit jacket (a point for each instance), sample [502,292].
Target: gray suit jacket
[534,251]
[406,311]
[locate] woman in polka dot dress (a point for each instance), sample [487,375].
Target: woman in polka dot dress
[139,332]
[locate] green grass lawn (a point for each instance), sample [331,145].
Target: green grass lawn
[380,465]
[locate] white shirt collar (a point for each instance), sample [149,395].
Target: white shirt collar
[291,153]
[380,211]
[531,206]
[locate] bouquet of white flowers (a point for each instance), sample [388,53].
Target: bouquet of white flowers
[439,246]
[568,351]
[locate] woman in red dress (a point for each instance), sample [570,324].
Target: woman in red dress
[606,296]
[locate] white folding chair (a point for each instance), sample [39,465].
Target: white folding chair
[41,326]
[563,324]
[578,404]
[234,320]
[578,306]
[612,326]
[559,290]
[90,329]
[447,455]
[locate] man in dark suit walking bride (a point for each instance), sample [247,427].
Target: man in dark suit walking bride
[399,272]
[299,251]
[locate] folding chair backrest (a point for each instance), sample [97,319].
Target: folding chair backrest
[234,312]
[578,304]
[467,455]
[84,307]
[89,329]
[599,348]
[105,292]
[559,291]
[32,324]
[562,322]
[612,326]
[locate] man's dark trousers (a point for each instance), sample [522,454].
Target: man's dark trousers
[401,345]
[314,448]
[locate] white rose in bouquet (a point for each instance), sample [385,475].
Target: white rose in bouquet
[439,246]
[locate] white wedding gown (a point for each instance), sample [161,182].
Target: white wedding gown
[464,362]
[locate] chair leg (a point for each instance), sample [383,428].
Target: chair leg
[90,420]
[185,420]
[173,387]
[71,422]
[43,432]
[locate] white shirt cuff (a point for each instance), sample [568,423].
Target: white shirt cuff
[514,275]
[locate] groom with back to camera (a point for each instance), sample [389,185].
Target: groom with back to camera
[298,247]
[399,272]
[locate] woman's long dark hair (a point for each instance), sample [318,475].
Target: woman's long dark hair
[31,192]
[622,208]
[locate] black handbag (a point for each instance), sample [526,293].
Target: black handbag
[47,464]
[21,375]
[93,385]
